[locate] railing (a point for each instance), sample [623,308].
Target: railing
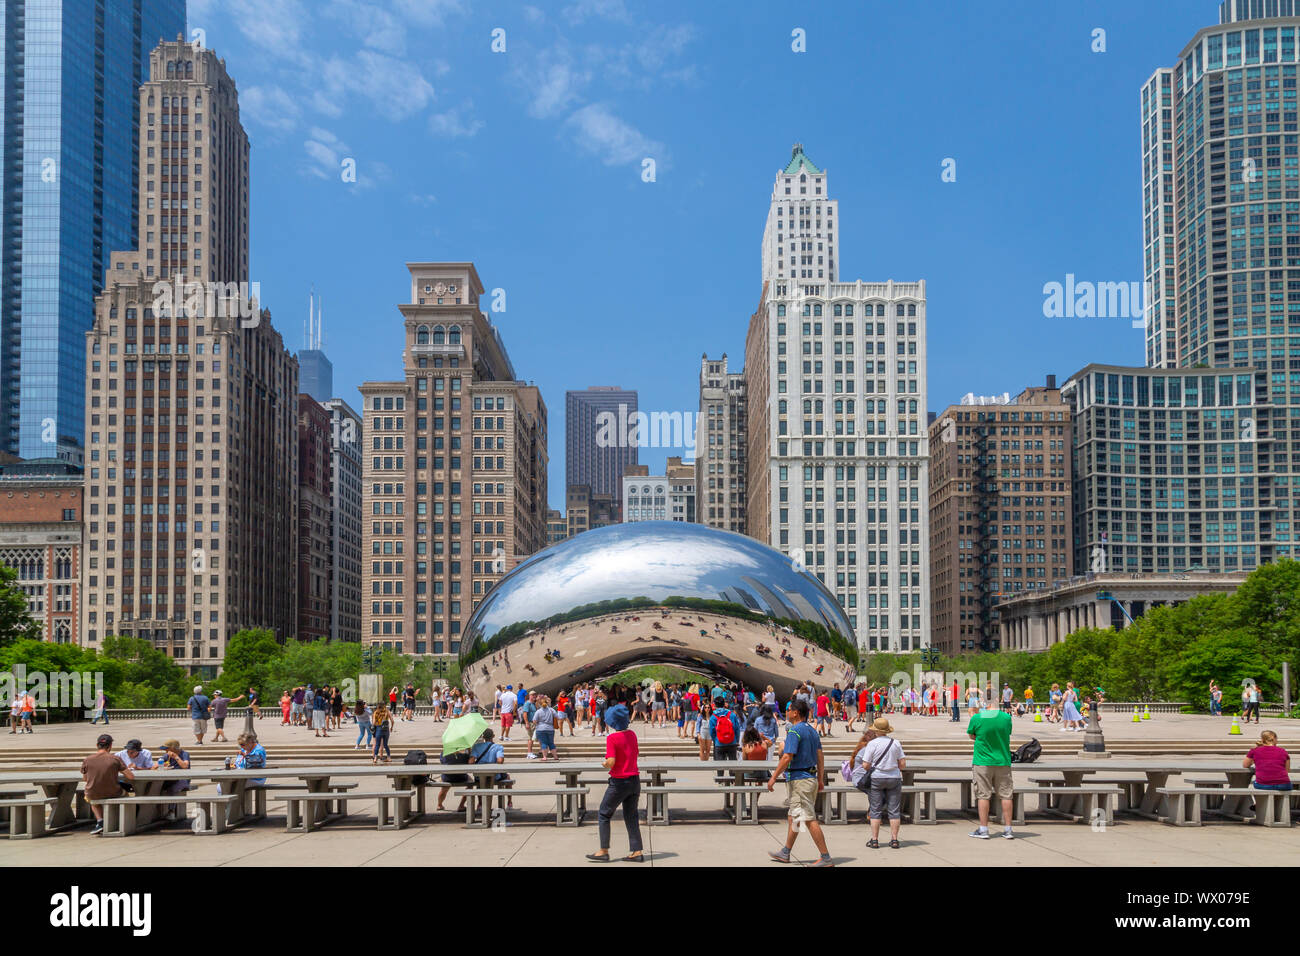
[179,713]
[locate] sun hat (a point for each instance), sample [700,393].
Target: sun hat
[882,726]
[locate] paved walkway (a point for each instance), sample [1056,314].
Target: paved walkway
[426,733]
[355,842]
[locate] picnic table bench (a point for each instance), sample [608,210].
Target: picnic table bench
[478,803]
[740,801]
[26,815]
[1094,800]
[122,814]
[920,803]
[1181,806]
[393,808]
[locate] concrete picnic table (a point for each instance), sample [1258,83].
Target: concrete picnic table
[61,785]
[1073,772]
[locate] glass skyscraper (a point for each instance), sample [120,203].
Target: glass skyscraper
[69,78]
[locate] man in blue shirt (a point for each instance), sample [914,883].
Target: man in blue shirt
[488,750]
[803,763]
[198,705]
[726,747]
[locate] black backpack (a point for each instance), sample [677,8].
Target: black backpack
[416,758]
[1027,753]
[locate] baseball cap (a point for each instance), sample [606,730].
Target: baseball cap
[134,744]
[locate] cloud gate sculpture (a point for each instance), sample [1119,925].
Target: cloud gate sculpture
[657,592]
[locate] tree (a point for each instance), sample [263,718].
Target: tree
[1229,658]
[250,657]
[16,623]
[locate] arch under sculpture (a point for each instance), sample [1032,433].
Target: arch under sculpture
[657,592]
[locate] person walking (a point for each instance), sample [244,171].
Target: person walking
[990,729]
[361,713]
[1251,705]
[319,709]
[1073,720]
[382,721]
[199,706]
[544,719]
[724,728]
[1271,763]
[624,788]
[884,760]
[803,763]
[254,701]
[101,709]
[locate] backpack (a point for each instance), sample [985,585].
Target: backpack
[726,728]
[416,758]
[1027,753]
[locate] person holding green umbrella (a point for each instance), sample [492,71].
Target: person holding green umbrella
[461,734]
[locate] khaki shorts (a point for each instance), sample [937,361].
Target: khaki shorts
[200,728]
[801,798]
[989,779]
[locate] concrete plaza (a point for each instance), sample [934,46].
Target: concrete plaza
[699,834]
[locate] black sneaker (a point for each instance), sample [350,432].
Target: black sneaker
[97,829]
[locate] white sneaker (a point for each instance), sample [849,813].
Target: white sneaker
[980,833]
[1007,834]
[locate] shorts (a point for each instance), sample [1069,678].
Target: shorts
[295,710]
[886,794]
[801,799]
[660,706]
[507,720]
[200,728]
[546,739]
[989,779]
[218,722]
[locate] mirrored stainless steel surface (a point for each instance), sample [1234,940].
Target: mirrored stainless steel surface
[716,603]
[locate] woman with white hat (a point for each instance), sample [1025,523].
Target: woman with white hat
[883,759]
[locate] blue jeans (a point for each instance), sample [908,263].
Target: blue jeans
[1272,786]
[364,730]
[956,713]
[1216,708]
[381,740]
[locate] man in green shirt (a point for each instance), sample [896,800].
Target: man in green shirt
[990,728]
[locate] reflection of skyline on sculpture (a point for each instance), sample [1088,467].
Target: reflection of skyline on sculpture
[733,583]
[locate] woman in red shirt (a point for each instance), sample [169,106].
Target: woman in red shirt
[1272,763]
[624,786]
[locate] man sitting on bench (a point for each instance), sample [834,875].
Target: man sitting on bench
[100,772]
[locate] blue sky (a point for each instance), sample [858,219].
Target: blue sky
[529,163]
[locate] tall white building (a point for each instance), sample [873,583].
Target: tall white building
[802,233]
[839,458]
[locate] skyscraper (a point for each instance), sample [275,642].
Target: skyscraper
[69,78]
[191,415]
[345,521]
[835,379]
[600,438]
[315,371]
[1000,510]
[721,447]
[1220,186]
[454,477]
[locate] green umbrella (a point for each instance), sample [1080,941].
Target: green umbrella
[463,733]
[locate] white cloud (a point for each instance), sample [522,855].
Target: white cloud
[326,152]
[274,25]
[551,82]
[533,14]
[427,13]
[421,199]
[597,131]
[395,88]
[602,9]
[376,27]
[269,106]
[456,122]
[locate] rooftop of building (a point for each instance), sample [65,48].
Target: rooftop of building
[800,161]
